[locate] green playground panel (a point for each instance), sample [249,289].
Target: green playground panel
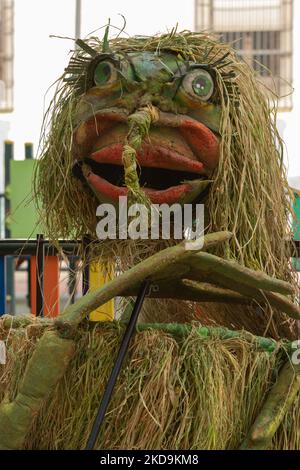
[23,216]
[296,264]
[296,227]
[296,221]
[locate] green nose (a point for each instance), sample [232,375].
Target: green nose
[149,66]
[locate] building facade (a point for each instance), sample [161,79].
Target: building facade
[6,54]
[261,31]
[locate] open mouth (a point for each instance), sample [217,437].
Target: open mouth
[153,178]
[169,168]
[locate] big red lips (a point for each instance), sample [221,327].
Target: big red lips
[177,150]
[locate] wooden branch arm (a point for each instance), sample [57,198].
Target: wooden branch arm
[278,402]
[231,270]
[153,266]
[274,299]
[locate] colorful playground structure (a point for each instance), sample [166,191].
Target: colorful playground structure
[25,248]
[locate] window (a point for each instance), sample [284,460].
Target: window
[261,32]
[6,55]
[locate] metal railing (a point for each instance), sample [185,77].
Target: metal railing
[41,248]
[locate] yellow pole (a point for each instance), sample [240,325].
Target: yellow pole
[97,279]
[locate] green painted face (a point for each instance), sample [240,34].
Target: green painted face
[181,150]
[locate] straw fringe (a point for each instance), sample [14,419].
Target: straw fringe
[176,391]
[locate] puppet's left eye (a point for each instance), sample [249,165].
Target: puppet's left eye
[105,73]
[200,83]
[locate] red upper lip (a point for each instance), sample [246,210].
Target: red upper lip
[202,141]
[150,156]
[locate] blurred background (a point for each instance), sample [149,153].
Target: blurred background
[264,32]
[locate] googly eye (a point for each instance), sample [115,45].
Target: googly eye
[199,83]
[105,73]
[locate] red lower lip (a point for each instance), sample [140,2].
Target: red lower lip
[112,192]
[149,156]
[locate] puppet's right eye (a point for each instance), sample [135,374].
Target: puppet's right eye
[105,73]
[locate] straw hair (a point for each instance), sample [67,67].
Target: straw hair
[249,195]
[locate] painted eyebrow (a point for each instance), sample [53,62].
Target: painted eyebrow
[166,67]
[130,61]
[186,67]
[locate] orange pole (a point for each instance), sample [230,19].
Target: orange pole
[51,286]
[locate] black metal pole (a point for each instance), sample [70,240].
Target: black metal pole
[10,262]
[72,278]
[29,282]
[118,364]
[21,247]
[40,276]
[28,151]
[86,269]
[8,156]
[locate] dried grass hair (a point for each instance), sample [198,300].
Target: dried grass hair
[249,195]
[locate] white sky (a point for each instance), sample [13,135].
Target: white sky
[39,59]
